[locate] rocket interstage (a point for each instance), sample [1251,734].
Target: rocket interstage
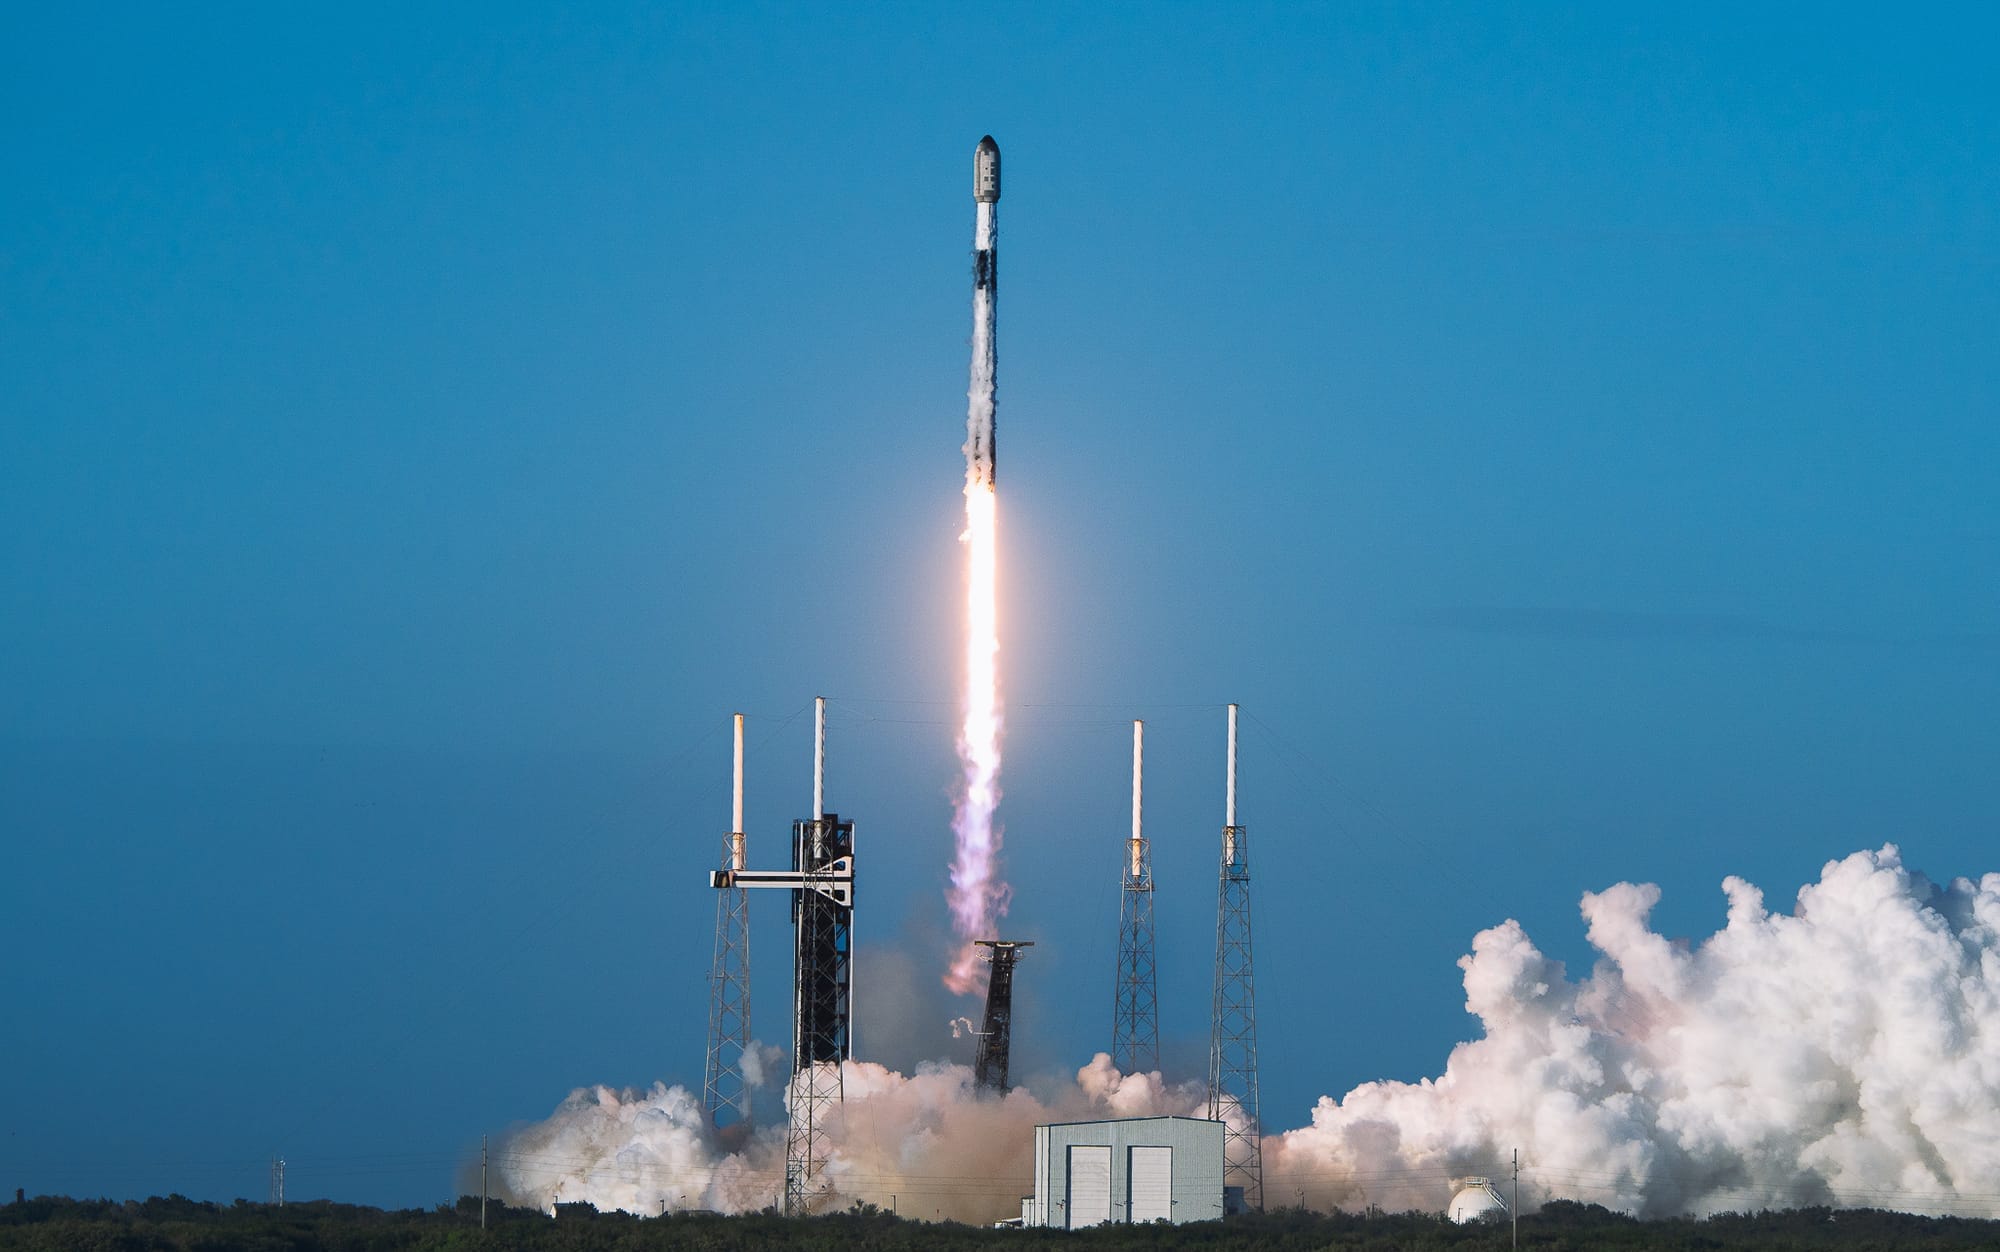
[977,896]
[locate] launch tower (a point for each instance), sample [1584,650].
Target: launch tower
[989,1065]
[725,1097]
[823,926]
[1232,1047]
[1135,1026]
[822,885]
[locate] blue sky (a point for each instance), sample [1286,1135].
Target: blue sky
[1568,432]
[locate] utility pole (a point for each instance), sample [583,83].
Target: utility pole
[482,1182]
[1517,1197]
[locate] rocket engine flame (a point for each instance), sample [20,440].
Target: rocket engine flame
[977,896]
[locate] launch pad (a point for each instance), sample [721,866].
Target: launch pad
[821,877]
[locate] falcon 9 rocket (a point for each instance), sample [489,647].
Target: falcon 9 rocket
[977,894]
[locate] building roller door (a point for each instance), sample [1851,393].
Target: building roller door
[1089,1185]
[1150,1175]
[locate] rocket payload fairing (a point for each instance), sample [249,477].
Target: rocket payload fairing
[979,445]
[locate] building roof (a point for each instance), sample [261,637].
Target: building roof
[1110,1121]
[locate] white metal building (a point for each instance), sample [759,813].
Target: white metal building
[1139,1169]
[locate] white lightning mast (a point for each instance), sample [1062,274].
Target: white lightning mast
[1135,1026]
[1232,1046]
[725,1095]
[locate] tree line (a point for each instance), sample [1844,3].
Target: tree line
[178,1224]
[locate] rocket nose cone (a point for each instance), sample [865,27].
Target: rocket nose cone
[986,172]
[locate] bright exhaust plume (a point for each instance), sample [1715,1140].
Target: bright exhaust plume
[977,896]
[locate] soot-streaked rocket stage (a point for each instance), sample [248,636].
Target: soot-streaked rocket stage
[978,896]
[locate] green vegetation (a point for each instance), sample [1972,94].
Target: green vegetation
[178,1224]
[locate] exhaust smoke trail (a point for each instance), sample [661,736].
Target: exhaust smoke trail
[1844,1053]
[977,896]
[928,1137]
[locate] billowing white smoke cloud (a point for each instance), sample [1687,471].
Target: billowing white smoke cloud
[1846,1054]
[925,1142]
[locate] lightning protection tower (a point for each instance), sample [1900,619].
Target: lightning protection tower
[822,885]
[725,1096]
[989,1064]
[1135,1026]
[1232,1047]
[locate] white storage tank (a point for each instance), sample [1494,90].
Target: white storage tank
[1476,1200]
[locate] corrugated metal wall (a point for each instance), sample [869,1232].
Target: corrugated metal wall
[1159,1168]
[1089,1198]
[1149,1174]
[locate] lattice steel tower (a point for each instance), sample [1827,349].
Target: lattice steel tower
[725,1095]
[1232,1046]
[1135,1026]
[822,885]
[996,1040]
[822,915]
